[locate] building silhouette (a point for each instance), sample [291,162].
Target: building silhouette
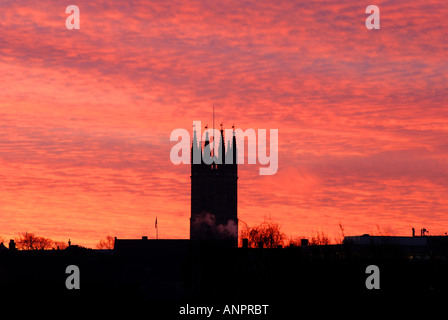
[214,191]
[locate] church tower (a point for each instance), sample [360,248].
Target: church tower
[214,192]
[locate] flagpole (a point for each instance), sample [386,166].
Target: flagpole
[157,230]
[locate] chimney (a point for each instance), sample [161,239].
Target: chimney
[12,245]
[144,238]
[303,242]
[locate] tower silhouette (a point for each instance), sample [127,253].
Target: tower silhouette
[214,191]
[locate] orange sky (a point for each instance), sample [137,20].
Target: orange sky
[86,115]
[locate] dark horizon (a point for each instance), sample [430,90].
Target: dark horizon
[86,114]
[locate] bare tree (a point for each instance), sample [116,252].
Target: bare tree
[295,241]
[60,245]
[341,235]
[268,233]
[107,243]
[29,241]
[319,239]
[383,231]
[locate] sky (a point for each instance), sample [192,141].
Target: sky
[86,115]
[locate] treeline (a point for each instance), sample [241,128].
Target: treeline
[269,235]
[30,241]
